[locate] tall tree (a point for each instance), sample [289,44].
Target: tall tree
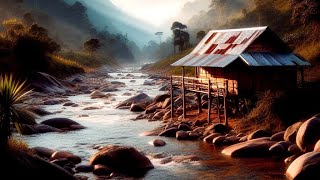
[181,36]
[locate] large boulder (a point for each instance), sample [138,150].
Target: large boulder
[43,151]
[251,148]
[122,159]
[219,128]
[157,142]
[171,132]
[46,83]
[65,154]
[258,134]
[305,167]
[63,123]
[137,107]
[277,136]
[141,98]
[280,148]
[22,165]
[38,129]
[308,134]
[182,135]
[161,98]
[291,132]
[97,94]
[210,137]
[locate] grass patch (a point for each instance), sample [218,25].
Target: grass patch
[90,60]
[274,111]
[17,144]
[163,66]
[61,67]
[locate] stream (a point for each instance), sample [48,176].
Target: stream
[110,126]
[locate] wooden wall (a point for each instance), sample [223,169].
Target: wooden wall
[246,79]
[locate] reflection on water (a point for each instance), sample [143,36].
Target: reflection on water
[173,161]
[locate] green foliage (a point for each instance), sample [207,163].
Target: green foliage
[12,93]
[92,45]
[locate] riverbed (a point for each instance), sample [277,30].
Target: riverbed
[110,126]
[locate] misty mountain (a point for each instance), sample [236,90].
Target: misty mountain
[105,15]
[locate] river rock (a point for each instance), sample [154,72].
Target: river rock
[137,107]
[126,94]
[52,102]
[101,170]
[61,162]
[199,130]
[90,108]
[140,98]
[193,135]
[167,116]
[280,148]
[305,167]
[171,132]
[63,123]
[84,168]
[278,136]
[65,154]
[243,139]
[68,104]
[182,135]
[166,103]
[46,83]
[97,94]
[39,111]
[293,149]
[291,132]
[218,140]
[161,98]
[118,84]
[317,147]
[252,148]
[290,159]
[122,159]
[158,116]
[38,129]
[308,134]
[219,128]
[158,142]
[258,134]
[184,127]
[209,138]
[43,151]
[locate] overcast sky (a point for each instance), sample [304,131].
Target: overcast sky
[157,12]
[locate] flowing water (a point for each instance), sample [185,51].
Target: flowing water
[110,126]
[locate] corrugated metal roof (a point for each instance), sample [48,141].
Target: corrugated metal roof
[206,60]
[272,59]
[231,41]
[219,48]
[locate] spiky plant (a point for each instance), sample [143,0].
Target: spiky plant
[12,113]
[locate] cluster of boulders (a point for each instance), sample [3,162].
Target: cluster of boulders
[299,146]
[51,125]
[110,161]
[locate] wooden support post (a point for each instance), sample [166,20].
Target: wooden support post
[218,104]
[199,102]
[302,76]
[209,101]
[171,98]
[183,95]
[226,103]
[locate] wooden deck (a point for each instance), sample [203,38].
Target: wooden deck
[202,85]
[209,86]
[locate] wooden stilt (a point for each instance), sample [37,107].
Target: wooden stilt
[226,103]
[209,101]
[183,95]
[302,77]
[218,104]
[199,102]
[171,97]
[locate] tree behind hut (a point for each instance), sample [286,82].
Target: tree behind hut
[181,36]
